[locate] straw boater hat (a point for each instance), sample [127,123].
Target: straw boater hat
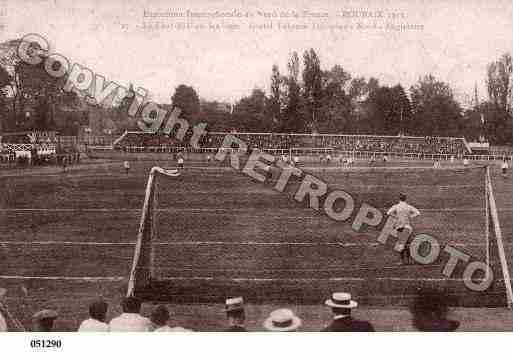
[341,300]
[45,314]
[282,320]
[234,304]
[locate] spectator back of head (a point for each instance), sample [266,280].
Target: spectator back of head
[131,305]
[98,310]
[160,315]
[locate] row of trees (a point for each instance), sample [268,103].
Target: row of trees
[303,98]
[309,99]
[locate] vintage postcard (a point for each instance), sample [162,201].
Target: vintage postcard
[251,166]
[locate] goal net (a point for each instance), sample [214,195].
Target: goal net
[206,233]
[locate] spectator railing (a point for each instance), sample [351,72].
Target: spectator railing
[312,151]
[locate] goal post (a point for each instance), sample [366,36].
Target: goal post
[491,207]
[142,264]
[188,241]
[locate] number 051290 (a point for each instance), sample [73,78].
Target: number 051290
[45,343]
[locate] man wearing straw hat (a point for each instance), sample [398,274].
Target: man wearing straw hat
[234,309]
[341,305]
[44,320]
[282,320]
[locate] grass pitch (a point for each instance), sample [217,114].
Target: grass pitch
[69,237]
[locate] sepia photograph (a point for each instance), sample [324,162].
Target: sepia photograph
[255,166]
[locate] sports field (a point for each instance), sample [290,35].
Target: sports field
[69,237]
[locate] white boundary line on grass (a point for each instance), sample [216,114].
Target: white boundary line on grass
[217,210]
[84,279]
[334,279]
[227,243]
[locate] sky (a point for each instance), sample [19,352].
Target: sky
[393,41]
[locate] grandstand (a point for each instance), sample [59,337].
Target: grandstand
[271,141]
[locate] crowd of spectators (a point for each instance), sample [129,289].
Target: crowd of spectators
[389,144]
[141,139]
[429,313]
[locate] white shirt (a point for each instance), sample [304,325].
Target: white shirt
[93,325]
[130,322]
[465,162]
[180,160]
[126,164]
[167,328]
[296,159]
[403,212]
[3,324]
[505,165]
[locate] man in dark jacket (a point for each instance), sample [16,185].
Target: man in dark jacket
[341,305]
[235,314]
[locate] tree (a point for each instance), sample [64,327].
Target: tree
[250,113]
[498,112]
[335,108]
[275,96]
[312,87]
[292,119]
[5,120]
[31,89]
[499,76]
[186,98]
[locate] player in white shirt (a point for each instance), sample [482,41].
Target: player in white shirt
[403,213]
[296,160]
[180,162]
[465,162]
[126,166]
[328,158]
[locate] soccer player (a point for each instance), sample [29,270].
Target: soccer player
[328,158]
[403,213]
[296,160]
[504,168]
[465,162]
[126,166]
[180,162]
[64,163]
